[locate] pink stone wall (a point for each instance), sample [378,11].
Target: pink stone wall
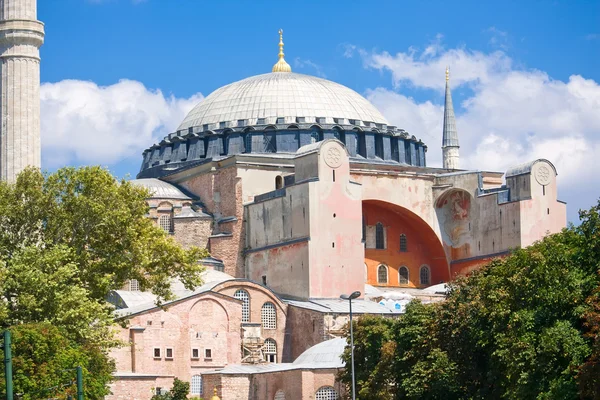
[221,193]
[207,321]
[258,297]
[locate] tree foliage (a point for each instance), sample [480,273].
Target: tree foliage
[66,240]
[179,391]
[523,327]
[44,361]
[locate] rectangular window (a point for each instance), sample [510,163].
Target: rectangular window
[195,354]
[157,352]
[169,353]
[207,354]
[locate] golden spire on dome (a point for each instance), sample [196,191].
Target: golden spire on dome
[447,74]
[281,65]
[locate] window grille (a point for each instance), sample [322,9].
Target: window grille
[382,274]
[403,276]
[424,275]
[315,136]
[196,385]
[379,236]
[280,395]
[134,285]
[195,354]
[243,295]
[403,243]
[165,223]
[326,393]
[157,352]
[270,350]
[268,316]
[169,353]
[269,143]
[248,143]
[207,353]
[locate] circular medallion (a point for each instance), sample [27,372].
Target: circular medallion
[542,175]
[333,157]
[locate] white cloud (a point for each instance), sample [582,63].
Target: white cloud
[86,123]
[510,115]
[302,64]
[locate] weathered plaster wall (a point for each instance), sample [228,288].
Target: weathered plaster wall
[335,249]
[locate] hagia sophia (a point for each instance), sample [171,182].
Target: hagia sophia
[301,191]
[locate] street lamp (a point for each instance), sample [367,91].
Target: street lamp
[351,297]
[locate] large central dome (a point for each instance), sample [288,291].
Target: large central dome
[262,99]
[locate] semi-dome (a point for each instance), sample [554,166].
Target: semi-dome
[160,189]
[263,99]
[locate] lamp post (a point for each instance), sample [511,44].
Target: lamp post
[350,298]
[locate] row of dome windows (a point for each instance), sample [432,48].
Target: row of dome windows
[399,149]
[403,275]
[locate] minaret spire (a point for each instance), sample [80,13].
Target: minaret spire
[281,65]
[450,136]
[21,36]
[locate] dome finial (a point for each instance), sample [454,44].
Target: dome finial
[281,65]
[447,74]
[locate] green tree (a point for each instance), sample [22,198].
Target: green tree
[68,238]
[44,362]
[179,391]
[522,327]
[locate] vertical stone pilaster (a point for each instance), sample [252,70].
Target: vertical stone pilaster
[21,36]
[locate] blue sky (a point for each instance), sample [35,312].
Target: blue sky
[119,74]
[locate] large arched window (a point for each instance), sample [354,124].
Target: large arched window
[382,274]
[326,393]
[164,221]
[379,236]
[424,275]
[243,295]
[196,385]
[403,275]
[270,351]
[280,395]
[268,316]
[403,243]
[269,142]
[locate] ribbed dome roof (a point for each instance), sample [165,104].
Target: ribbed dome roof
[160,189]
[281,95]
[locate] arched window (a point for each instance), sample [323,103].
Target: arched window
[268,316]
[248,143]
[280,395]
[278,182]
[270,351]
[316,136]
[424,275]
[403,243]
[134,285]
[379,236]
[165,223]
[403,275]
[326,393]
[196,385]
[243,295]
[362,145]
[382,274]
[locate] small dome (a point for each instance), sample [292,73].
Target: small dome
[160,189]
[326,354]
[281,95]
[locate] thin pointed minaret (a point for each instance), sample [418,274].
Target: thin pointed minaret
[450,138]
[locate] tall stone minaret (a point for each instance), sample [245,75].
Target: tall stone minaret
[21,36]
[450,137]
